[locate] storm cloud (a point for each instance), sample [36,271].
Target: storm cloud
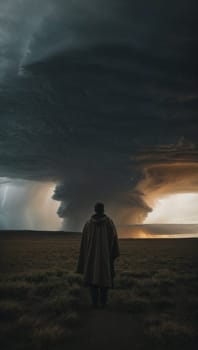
[101,98]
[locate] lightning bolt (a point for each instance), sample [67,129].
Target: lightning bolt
[5,191]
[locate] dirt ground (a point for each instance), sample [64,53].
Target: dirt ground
[106,329]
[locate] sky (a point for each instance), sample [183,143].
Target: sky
[98,102]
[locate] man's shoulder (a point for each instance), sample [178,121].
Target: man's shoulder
[91,220]
[109,219]
[87,223]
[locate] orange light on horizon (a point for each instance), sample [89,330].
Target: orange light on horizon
[179,208]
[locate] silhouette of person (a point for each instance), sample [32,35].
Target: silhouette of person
[98,249]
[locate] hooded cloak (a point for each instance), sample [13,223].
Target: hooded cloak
[98,250]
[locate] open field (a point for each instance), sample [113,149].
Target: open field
[154,304]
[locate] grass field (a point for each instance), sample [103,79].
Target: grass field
[43,305]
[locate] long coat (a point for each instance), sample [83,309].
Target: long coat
[98,249]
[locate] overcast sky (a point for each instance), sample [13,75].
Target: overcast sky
[101,98]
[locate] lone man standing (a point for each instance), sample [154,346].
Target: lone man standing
[98,249]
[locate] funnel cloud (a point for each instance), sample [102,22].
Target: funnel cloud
[99,98]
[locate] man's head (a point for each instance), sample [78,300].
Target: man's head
[99,208]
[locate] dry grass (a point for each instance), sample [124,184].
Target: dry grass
[43,301]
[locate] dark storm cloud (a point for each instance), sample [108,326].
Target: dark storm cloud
[89,89]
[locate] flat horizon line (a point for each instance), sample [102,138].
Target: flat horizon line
[156,224]
[117,225]
[75,232]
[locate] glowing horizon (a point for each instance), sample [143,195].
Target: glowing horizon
[179,208]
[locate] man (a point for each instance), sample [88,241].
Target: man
[98,250]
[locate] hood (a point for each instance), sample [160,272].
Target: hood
[98,219]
